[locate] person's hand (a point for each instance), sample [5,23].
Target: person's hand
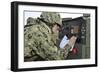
[72,40]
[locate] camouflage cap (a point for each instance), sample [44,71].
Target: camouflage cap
[52,17]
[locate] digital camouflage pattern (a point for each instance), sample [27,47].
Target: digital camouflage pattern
[40,42]
[53,17]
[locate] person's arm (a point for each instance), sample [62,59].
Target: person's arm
[70,45]
[72,41]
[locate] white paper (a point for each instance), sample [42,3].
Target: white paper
[64,42]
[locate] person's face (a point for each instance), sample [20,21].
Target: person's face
[55,28]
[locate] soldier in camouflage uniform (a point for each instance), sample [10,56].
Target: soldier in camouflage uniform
[40,38]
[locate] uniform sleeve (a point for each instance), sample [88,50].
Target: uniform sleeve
[37,46]
[48,51]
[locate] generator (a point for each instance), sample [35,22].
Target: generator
[79,27]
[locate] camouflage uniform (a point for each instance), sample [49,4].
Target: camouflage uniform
[40,42]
